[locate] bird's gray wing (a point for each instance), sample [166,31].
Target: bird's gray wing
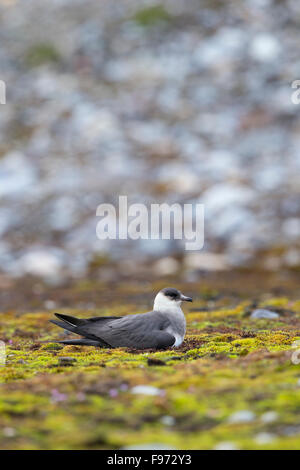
[140,331]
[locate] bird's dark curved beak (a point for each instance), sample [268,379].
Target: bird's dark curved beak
[187,299]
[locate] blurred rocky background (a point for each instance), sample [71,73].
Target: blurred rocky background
[169,101]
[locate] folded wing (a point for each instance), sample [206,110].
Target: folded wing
[140,331]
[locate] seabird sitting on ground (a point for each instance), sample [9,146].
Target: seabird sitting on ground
[162,328]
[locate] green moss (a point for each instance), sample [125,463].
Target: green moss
[42,53]
[152,16]
[52,347]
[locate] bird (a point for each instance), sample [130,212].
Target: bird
[164,327]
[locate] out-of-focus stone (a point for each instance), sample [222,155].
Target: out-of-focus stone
[44,263]
[262,313]
[226,445]
[269,417]
[166,266]
[206,261]
[264,438]
[243,416]
[17,174]
[264,47]
[146,390]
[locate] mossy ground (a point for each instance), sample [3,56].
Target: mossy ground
[228,363]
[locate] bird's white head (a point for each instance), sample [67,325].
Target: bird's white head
[169,299]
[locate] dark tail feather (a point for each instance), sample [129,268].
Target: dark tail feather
[65,326]
[73,324]
[70,320]
[81,342]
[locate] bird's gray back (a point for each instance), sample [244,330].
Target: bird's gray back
[140,330]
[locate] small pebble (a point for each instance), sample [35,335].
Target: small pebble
[262,313]
[9,432]
[292,430]
[243,416]
[168,420]
[269,417]
[50,304]
[226,446]
[146,390]
[264,47]
[264,438]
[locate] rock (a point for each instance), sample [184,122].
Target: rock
[272,263]
[219,47]
[7,219]
[206,261]
[179,178]
[263,313]
[41,262]
[291,228]
[263,438]
[166,266]
[264,47]
[16,174]
[63,213]
[146,390]
[292,258]
[269,178]
[226,446]
[243,416]
[50,304]
[269,417]
[9,432]
[222,163]
[224,195]
[153,247]
[168,420]
[232,220]
[292,430]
